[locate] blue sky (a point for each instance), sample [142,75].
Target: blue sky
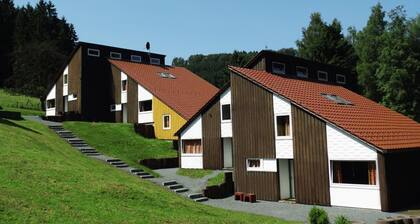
[185,27]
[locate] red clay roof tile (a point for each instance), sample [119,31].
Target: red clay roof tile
[365,119]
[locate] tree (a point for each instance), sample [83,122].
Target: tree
[7,20]
[289,51]
[325,43]
[368,45]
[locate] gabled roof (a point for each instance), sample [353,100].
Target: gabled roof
[369,121]
[185,94]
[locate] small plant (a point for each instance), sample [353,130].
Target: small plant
[318,216]
[341,219]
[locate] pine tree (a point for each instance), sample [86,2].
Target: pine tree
[7,21]
[368,45]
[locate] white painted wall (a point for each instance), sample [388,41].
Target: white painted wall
[342,146]
[72,97]
[284,144]
[193,131]
[226,125]
[51,95]
[66,86]
[143,94]
[266,165]
[123,93]
[192,161]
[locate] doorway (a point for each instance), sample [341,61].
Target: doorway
[287,179]
[66,104]
[227,153]
[124,113]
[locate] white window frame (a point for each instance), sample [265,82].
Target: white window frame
[347,185]
[115,107]
[306,73]
[132,58]
[163,121]
[116,53]
[266,165]
[154,63]
[147,111]
[126,86]
[65,81]
[221,112]
[91,50]
[248,168]
[279,63]
[323,72]
[290,126]
[46,102]
[340,75]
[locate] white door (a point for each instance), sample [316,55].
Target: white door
[227,153]
[124,112]
[287,185]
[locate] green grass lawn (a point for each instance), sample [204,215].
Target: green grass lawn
[219,179]
[44,180]
[20,103]
[194,173]
[119,140]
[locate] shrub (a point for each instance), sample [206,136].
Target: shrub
[318,216]
[342,220]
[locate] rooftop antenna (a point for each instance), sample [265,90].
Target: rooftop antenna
[148,49]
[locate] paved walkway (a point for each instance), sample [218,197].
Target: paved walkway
[40,120]
[298,212]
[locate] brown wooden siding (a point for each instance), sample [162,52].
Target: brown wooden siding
[310,158]
[212,141]
[132,101]
[253,128]
[399,184]
[74,82]
[116,91]
[59,107]
[261,65]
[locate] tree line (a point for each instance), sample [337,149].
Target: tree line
[385,55]
[34,45]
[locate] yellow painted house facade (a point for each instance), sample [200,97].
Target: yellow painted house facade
[166,120]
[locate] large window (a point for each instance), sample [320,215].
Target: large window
[166,121]
[278,68]
[226,112]
[145,105]
[124,85]
[192,147]
[354,172]
[283,125]
[301,72]
[51,103]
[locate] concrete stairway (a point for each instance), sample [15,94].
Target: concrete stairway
[175,186]
[198,197]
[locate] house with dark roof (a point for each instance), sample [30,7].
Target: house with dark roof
[314,142]
[82,88]
[164,97]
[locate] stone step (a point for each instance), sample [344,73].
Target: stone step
[147,176]
[88,151]
[121,165]
[169,182]
[135,170]
[181,190]
[78,145]
[113,160]
[55,126]
[93,154]
[175,186]
[142,173]
[201,199]
[75,140]
[67,136]
[63,132]
[196,195]
[85,148]
[116,162]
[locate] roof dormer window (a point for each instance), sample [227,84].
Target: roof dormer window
[155,61]
[301,72]
[115,55]
[322,76]
[278,68]
[341,79]
[136,58]
[93,52]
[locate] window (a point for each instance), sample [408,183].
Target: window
[254,163]
[94,52]
[340,78]
[145,105]
[354,172]
[283,125]
[166,121]
[323,76]
[116,107]
[192,146]
[65,78]
[226,112]
[136,58]
[124,85]
[336,99]
[155,61]
[167,75]
[301,72]
[278,68]
[115,55]
[50,103]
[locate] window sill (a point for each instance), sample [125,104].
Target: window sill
[353,186]
[227,121]
[284,137]
[192,154]
[146,112]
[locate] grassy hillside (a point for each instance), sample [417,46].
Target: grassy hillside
[119,140]
[24,104]
[43,180]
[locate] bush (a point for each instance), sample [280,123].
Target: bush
[318,216]
[342,220]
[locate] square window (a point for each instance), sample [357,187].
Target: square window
[155,61]
[354,172]
[115,55]
[145,105]
[226,112]
[166,121]
[283,125]
[278,68]
[93,52]
[192,146]
[51,103]
[323,76]
[65,78]
[341,79]
[136,58]
[124,85]
[301,72]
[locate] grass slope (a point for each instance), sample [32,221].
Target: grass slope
[194,173]
[20,103]
[119,140]
[44,180]
[217,180]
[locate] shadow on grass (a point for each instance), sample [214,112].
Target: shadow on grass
[7,122]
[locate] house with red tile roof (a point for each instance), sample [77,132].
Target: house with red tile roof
[313,142]
[158,96]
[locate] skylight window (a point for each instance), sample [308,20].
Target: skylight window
[167,75]
[336,99]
